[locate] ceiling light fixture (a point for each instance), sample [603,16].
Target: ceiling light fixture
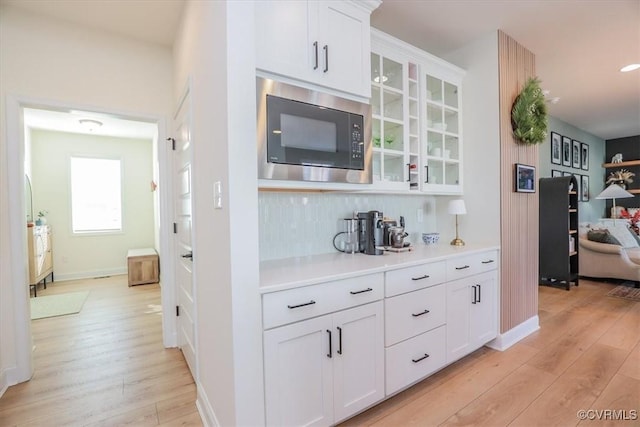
[89,125]
[630,67]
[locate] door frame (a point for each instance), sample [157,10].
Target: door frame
[17,230]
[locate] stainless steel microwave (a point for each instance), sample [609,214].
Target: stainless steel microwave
[306,135]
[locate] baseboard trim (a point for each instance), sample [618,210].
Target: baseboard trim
[6,379]
[513,335]
[90,274]
[205,410]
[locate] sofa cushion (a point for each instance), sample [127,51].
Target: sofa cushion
[624,235]
[633,254]
[602,236]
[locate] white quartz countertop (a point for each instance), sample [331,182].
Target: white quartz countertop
[281,274]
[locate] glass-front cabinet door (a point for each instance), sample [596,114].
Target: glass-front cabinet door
[389,134]
[442,145]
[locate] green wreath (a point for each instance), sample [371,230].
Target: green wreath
[529,114]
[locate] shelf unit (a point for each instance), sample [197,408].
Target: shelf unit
[558,264]
[622,164]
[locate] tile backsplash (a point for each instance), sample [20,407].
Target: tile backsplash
[299,224]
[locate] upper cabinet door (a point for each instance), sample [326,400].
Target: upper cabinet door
[321,42]
[283,39]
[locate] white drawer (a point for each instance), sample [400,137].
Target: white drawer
[469,265]
[411,314]
[414,359]
[292,305]
[412,278]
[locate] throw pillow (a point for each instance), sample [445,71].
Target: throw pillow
[623,235]
[602,236]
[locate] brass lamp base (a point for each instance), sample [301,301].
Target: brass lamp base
[457,242]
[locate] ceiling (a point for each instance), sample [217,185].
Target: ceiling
[579,45]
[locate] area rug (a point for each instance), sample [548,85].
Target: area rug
[625,292]
[57,305]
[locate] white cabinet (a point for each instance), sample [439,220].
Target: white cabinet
[472,319]
[321,42]
[322,370]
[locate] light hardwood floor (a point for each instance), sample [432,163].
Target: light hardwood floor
[104,366]
[586,355]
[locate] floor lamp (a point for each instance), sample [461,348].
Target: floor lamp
[614,191]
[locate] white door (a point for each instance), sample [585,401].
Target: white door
[182,234]
[358,364]
[298,373]
[484,322]
[459,299]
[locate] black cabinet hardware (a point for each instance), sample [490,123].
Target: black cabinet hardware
[487,262]
[339,340]
[462,268]
[426,276]
[408,172]
[420,314]
[475,295]
[315,48]
[360,292]
[302,305]
[188,255]
[479,292]
[326,58]
[420,358]
[330,354]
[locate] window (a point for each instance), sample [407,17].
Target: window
[96,195]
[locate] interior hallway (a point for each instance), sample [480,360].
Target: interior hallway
[104,366]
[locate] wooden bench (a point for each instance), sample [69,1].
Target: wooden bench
[142,266]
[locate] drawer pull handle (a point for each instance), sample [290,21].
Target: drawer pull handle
[301,305]
[487,262]
[420,359]
[462,268]
[419,314]
[360,292]
[426,276]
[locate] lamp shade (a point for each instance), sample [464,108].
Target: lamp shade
[614,191]
[457,207]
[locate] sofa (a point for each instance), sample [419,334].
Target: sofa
[607,260]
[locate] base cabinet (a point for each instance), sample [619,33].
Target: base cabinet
[323,370]
[39,253]
[471,314]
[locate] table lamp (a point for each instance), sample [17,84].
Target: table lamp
[457,207]
[614,191]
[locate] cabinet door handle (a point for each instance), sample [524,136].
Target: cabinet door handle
[426,276]
[487,262]
[315,48]
[360,292]
[326,58]
[462,268]
[301,305]
[426,174]
[475,294]
[330,354]
[420,314]
[408,172]
[339,340]
[420,358]
[479,292]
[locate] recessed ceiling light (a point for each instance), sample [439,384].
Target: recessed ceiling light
[89,124]
[630,67]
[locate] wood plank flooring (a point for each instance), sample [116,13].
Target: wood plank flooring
[586,356]
[104,366]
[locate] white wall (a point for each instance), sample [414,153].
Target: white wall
[91,255]
[481,128]
[214,51]
[49,61]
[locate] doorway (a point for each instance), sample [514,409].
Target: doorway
[18,145]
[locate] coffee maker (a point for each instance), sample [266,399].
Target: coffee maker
[371,232]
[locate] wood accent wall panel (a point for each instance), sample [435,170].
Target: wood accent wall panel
[519,211]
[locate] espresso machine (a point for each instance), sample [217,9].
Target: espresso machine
[371,232]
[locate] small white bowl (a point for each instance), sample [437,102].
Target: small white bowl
[430,238]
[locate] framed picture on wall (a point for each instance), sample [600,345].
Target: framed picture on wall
[579,189]
[556,148]
[584,157]
[566,151]
[555,173]
[525,178]
[565,173]
[575,156]
[585,188]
